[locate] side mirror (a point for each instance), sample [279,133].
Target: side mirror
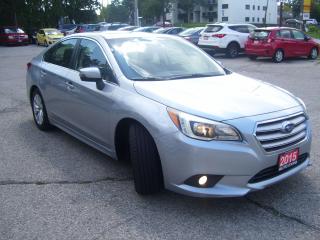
[307,38]
[92,74]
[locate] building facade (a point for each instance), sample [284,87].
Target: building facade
[229,11]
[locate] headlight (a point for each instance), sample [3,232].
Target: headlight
[10,37]
[203,129]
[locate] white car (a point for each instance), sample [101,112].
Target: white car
[224,37]
[312,22]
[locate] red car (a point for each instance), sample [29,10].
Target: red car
[13,35]
[279,43]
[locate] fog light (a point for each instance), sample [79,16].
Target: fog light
[203,180]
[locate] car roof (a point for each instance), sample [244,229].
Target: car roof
[48,29]
[275,28]
[229,24]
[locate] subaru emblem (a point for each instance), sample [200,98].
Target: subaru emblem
[287,127]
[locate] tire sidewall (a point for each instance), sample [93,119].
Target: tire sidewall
[45,123]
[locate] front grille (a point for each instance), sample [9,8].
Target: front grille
[273,135]
[273,171]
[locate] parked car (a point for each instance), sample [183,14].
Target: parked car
[312,21]
[146,29]
[170,30]
[47,36]
[128,28]
[280,43]
[294,23]
[225,38]
[88,28]
[13,36]
[113,26]
[185,122]
[166,24]
[192,34]
[67,29]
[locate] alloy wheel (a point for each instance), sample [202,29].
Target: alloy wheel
[38,109]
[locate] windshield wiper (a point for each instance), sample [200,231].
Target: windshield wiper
[196,75]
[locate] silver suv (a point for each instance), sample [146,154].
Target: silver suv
[185,122]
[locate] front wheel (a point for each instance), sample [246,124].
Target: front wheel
[278,56]
[147,170]
[39,111]
[253,58]
[313,53]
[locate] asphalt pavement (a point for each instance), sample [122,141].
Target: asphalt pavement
[52,186]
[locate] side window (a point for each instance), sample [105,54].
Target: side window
[61,53]
[91,55]
[298,35]
[285,33]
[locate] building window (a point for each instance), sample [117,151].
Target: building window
[264,8]
[210,8]
[252,19]
[225,19]
[247,7]
[263,19]
[247,19]
[225,6]
[253,7]
[258,8]
[258,19]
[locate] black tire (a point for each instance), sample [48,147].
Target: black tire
[233,50]
[147,170]
[314,53]
[46,43]
[278,56]
[253,58]
[43,125]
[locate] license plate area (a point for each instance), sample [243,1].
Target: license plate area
[288,159]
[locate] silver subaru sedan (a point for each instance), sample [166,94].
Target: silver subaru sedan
[185,122]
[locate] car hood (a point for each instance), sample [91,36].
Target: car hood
[56,36]
[219,98]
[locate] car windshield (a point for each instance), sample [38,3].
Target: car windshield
[52,32]
[161,58]
[190,31]
[259,34]
[13,30]
[213,28]
[161,30]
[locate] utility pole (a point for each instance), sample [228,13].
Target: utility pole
[163,14]
[136,13]
[265,14]
[281,13]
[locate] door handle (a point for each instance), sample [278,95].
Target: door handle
[69,85]
[43,73]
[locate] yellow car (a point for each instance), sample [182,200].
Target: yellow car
[47,36]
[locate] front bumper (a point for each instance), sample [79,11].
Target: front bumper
[183,157]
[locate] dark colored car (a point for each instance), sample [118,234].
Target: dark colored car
[88,28]
[192,34]
[67,29]
[113,26]
[279,43]
[128,28]
[146,29]
[13,36]
[170,30]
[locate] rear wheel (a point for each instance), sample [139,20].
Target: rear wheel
[233,50]
[313,53]
[39,111]
[278,56]
[46,43]
[147,170]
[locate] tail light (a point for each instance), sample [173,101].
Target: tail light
[29,65]
[219,35]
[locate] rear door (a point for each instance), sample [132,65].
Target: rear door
[55,80]
[286,42]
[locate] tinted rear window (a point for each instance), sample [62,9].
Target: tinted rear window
[259,34]
[213,28]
